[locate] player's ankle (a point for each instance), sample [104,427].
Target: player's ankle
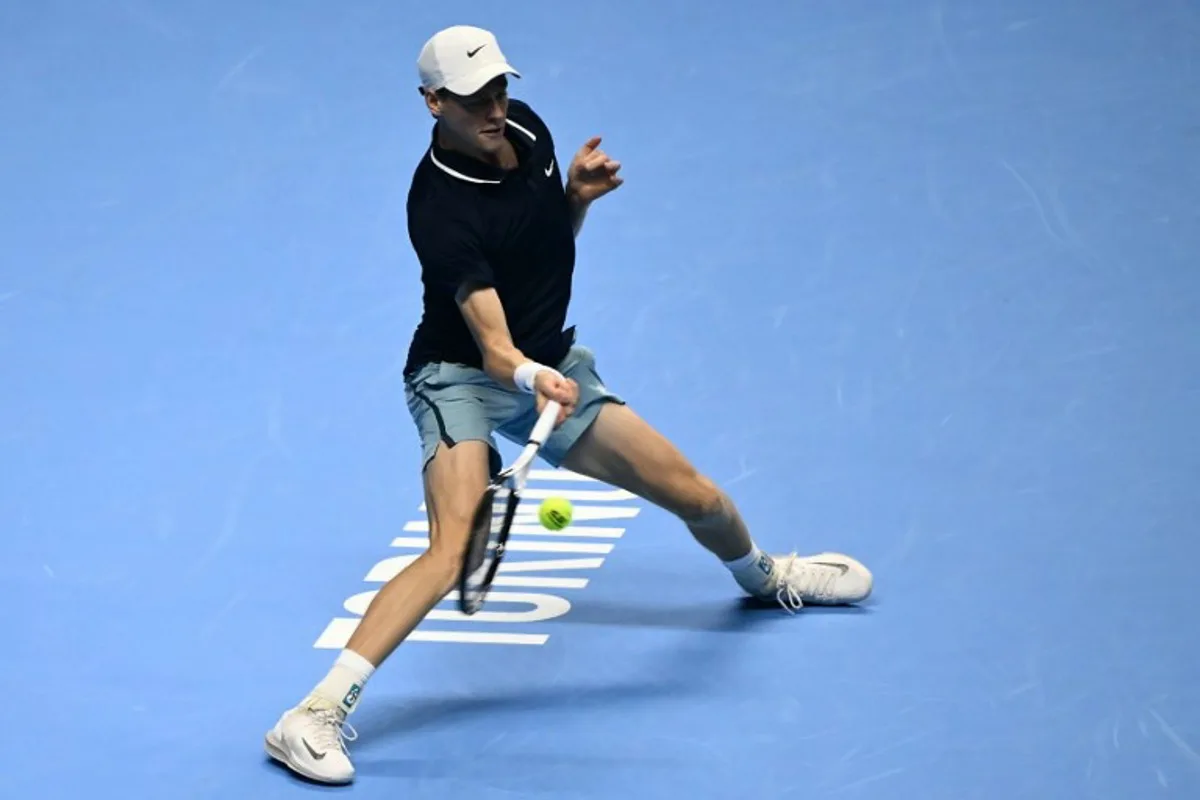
[344,683]
[752,571]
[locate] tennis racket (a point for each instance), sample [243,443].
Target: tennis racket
[489,534]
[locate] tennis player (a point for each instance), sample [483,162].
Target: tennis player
[493,218]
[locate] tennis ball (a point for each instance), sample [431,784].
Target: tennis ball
[555,513]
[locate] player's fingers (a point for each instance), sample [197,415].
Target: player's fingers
[559,392]
[566,405]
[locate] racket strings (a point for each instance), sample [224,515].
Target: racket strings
[493,519]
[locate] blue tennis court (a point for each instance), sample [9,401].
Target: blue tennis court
[912,281]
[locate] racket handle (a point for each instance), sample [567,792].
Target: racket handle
[545,423]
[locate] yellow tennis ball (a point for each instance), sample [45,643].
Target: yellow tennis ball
[555,513]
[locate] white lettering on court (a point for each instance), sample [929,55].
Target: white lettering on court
[539,564]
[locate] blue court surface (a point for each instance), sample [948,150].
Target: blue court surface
[917,281]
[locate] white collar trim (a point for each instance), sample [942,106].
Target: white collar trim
[523,130]
[455,173]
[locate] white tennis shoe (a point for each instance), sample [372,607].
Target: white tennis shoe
[824,579]
[308,739]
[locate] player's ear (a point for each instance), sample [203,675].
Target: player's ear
[432,101]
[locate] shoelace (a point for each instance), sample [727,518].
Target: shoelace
[807,580]
[332,731]
[787,596]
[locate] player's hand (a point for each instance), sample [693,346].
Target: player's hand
[592,173]
[549,386]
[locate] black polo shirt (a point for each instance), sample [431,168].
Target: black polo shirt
[511,230]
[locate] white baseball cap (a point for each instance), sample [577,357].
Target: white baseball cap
[461,59]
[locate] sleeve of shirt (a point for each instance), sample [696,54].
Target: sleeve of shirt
[450,250]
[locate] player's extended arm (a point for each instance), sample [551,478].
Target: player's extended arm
[502,361]
[482,310]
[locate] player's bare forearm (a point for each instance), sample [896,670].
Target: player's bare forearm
[578,208]
[485,317]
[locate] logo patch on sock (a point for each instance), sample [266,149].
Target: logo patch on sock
[351,696]
[765,563]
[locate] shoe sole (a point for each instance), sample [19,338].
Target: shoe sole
[276,751]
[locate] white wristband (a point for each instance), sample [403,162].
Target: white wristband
[523,376]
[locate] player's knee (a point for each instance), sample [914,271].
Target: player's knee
[699,499]
[448,546]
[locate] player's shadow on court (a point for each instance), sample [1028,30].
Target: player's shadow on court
[427,713]
[412,715]
[504,709]
[527,773]
[743,616]
[666,682]
[415,714]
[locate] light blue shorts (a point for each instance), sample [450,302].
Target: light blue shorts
[452,403]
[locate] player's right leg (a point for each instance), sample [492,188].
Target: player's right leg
[308,738]
[455,417]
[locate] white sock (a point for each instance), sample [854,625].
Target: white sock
[752,570]
[345,681]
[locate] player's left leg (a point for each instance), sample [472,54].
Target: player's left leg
[608,441]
